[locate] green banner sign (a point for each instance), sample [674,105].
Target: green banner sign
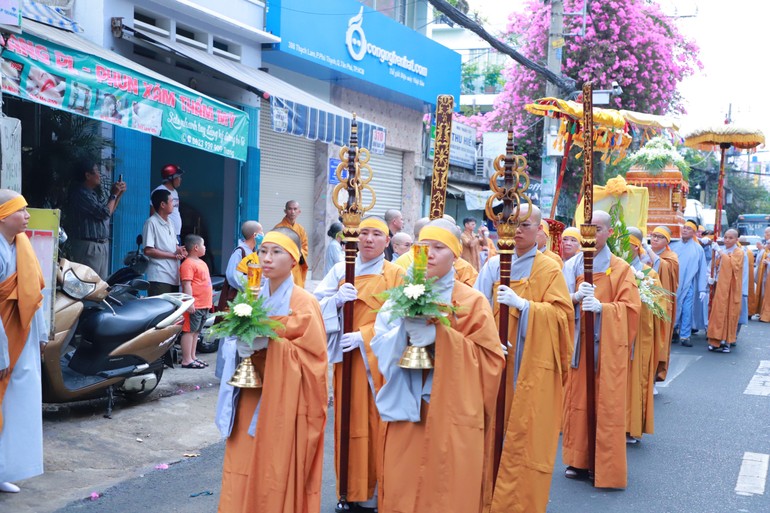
[66,79]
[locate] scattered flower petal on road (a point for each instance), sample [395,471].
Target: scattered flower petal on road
[161,466]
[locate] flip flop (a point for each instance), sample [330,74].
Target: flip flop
[193,365]
[202,362]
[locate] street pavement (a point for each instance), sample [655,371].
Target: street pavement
[711,437]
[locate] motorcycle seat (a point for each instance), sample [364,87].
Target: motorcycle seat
[130,319]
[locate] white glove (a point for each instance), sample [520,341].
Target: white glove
[711,282]
[421,334]
[716,248]
[591,304]
[351,341]
[703,296]
[506,347]
[584,290]
[506,296]
[346,292]
[244,348]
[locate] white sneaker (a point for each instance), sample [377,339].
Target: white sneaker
[9,488]
[655,390]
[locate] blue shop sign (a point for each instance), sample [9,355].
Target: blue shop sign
[348,38]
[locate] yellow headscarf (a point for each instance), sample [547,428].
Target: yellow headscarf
[12,206]
[444,236]
[284,241]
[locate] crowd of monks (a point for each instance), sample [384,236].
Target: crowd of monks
[422,440]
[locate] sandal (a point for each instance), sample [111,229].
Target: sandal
[193,365]
[202,362]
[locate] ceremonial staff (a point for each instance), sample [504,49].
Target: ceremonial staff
[354,159]
[588,234]
[418,357]
[510,168]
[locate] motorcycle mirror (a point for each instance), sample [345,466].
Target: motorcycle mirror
[139,240]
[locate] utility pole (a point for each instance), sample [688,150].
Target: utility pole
[555,45]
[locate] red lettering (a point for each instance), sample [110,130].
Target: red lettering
[64,61]
[29,49]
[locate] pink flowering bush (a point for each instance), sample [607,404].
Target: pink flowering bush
[631,42]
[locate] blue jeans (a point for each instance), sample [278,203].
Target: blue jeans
[684,313]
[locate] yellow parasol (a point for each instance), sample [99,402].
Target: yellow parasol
[651,124]
[610,131]
[723,137]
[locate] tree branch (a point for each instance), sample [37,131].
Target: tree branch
[566,84]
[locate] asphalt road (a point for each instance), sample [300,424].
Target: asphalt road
[705,426]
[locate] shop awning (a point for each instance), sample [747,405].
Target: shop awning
[475,196]
[48,15]
[293,110]
[68,72]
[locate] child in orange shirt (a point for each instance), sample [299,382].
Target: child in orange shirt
[196,281]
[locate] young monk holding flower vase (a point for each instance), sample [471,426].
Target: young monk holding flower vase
[277,430]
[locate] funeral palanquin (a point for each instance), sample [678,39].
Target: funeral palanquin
[667,193]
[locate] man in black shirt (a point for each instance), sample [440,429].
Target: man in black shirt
[91,219]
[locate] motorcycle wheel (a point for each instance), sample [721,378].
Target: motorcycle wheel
[139,396]
[207,346]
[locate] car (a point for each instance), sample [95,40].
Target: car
[750,241]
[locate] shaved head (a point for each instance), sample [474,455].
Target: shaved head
[448,225]
[601,218]
[636,232]
[6,195]
[536,216]
[733,231]
[250,228]
[419,225]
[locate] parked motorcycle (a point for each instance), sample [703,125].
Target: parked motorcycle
[103,346]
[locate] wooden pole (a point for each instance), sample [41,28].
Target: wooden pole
[588,234]
[511,171]
[444,107]
[718,220]
[353,159]
[562,169]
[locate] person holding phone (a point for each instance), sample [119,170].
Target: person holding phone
[90,214]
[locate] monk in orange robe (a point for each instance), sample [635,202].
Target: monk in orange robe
[543,237]
[763,266]
[667,267]
[292,212]
[374,275]
[752,299]
[439,423]
[730,285]
[640,417]
[614,300]
[540,331]
[274,449]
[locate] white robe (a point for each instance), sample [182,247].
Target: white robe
[21,438]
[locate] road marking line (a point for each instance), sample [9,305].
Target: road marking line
[677,364]
[753,474]
[760,382]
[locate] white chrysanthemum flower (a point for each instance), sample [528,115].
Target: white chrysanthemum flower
[639,275]
[242,310]
[414,291]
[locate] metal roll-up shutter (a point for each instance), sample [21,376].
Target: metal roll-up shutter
[388,180]
[287,172]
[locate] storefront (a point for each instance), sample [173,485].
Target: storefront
[136,106]
[369,64]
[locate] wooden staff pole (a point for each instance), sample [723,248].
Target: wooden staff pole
[588,234]
[444,107]
[353,158]
[507,221]
[718,219]
[562,169]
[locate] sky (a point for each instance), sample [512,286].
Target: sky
[733,38]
